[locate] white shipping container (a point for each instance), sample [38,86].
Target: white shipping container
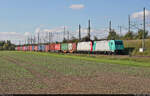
[84,46]
[70,46]
[15,48]
[102,46]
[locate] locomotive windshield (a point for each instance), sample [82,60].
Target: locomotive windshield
[119,42]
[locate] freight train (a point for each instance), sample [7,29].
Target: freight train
[104,46]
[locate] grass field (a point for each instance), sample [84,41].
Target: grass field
[34,72]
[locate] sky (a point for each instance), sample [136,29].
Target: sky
[21,18]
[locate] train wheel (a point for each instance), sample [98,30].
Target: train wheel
[65,51]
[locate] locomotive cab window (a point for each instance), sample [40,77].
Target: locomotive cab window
[119,43]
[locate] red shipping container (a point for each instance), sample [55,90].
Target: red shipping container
[35,48]
[52,47]
[57,47]
[30,48]
[23,48]
[18,48]
[47,48]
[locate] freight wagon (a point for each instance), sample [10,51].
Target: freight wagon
[41,48]
[35,48]
[72,47]
[52,47]
[30,48]
[23,48]
[64,47]
[57,47]
[16,48]
[84,47]
[47,48]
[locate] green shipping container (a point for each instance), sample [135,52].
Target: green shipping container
[64,47]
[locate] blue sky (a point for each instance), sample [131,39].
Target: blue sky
[26,15]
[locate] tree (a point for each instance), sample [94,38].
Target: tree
[86,38]
[129,35]
[95,38]
[140,34]
[73,39]
[5,46]
[113,35]
[64,40]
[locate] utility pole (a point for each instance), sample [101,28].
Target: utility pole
[110,30]
[143,44]
[120,27]
[49,36]
[31,40]
[64,32]
[19,42]
[38,37]
[68,36]
[34,39]
[89,29]
[25,41]
[129,23]
[110,26]
[52,37]
[28,40]
[79,32]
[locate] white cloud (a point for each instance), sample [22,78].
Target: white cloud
[15,37]
[140,14]
[77,6]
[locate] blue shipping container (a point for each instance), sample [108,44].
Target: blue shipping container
[43,47]
[32,48]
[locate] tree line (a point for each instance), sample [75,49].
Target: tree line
[6,45]
[129,35]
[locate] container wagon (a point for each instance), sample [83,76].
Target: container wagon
[72,47]
[18,48]
[32,47]
[57,47]
[23,48]
[52,47]
[39,47]
[47,48]
[35,48]
[84,47]
[64,47]
[43,48]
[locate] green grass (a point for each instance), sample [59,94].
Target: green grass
[83,65]
[145,62]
